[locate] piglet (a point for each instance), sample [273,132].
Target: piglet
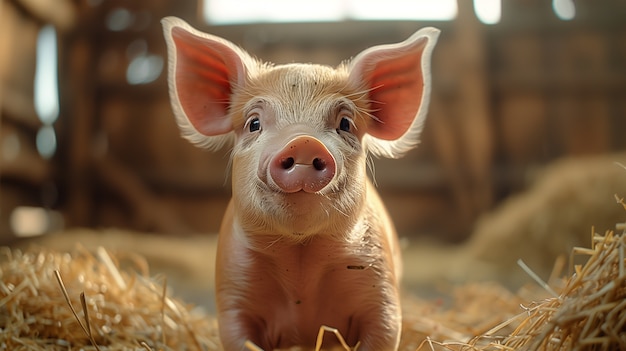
[306,241]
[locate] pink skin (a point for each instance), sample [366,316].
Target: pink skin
[306,241]
[304,164]
[286,291]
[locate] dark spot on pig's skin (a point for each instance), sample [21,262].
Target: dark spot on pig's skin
[298,302]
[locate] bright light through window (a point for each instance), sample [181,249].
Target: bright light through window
[46,82]
[46,97]
[564,9]
[488,11]
[253,11]
[33,221]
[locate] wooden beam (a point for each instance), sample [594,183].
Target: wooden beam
[60,13]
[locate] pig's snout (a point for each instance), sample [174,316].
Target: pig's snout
[303,164]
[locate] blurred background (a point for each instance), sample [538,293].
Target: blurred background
[88,139]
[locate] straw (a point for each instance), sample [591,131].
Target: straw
[130,310]
[121,310]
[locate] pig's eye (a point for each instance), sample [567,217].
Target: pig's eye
[345,124]
[254,124]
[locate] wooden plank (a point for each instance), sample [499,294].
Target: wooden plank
[77,91]
[61,13]
[474,107]
[20,161]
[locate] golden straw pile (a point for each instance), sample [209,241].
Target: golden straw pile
[85,301]
[589,312]
[41,306]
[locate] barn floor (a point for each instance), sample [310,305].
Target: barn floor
[585,308]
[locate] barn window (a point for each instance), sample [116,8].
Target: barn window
[249,11]
[564,9]
[488,11]
[46,97]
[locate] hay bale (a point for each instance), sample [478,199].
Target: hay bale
[555,214]
[558,211]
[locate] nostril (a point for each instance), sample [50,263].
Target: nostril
[319,164]
[303,164]
[287,163]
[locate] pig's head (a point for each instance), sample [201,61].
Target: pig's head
[301,132]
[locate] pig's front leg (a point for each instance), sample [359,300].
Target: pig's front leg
[377,337]
[237,328]
[375,334]
[236,322]
[380,332]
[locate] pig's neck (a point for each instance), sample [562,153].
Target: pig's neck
[299,253]
[264,239]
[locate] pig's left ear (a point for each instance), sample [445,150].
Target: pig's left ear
[397,78]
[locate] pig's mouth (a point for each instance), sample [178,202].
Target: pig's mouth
[302,202]
[300,195]
[300,213]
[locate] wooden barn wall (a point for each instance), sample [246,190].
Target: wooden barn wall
[507,99]
[26,178]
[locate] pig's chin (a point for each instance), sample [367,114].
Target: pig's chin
[303,203]
[300,214]
[304,213]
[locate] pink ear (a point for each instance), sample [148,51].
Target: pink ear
[398,79]
[203,69]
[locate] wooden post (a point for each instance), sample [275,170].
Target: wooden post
[476,119]
[79,129]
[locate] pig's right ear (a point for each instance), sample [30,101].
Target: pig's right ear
[203,70]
